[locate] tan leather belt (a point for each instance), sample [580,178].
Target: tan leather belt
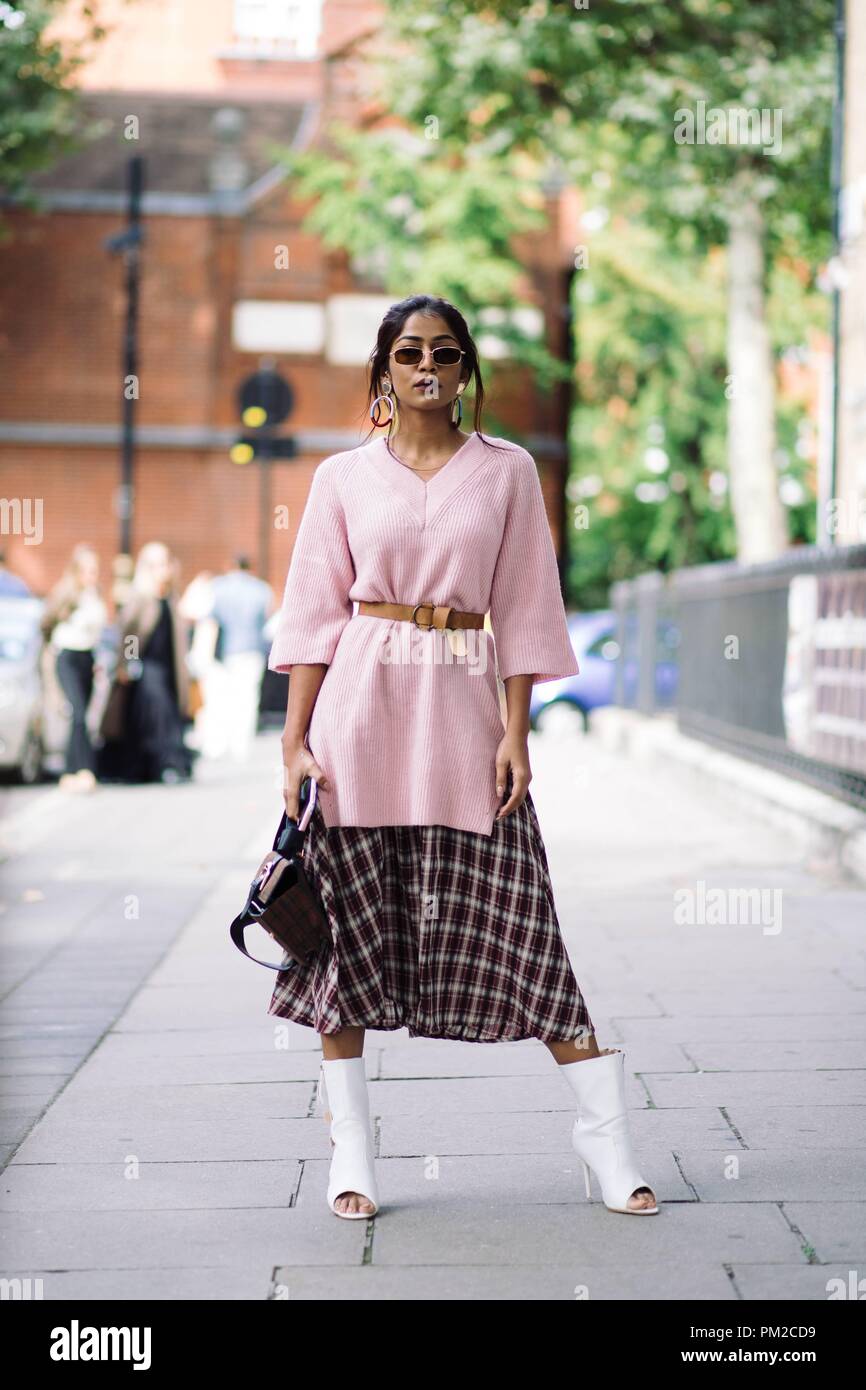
[442,616]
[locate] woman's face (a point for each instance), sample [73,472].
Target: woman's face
[160,569]
[425,385]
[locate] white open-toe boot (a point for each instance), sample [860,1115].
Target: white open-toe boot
[600,1136]
[353,1160]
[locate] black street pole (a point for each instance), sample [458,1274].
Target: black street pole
[271,385]
[266,452]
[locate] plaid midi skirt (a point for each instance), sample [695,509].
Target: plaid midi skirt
[444,932]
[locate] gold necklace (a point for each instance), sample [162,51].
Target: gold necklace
[431,468]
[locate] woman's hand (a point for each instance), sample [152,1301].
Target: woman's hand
[512,754]
[298,763]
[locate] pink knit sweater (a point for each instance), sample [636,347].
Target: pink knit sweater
[407,722]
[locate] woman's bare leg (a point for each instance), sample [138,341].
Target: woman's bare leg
[579,1050]
[575,1050]
[349,1042]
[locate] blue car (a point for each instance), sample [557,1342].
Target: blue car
[567,703]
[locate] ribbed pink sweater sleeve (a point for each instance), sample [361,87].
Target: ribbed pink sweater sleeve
[526,608]
[316,605]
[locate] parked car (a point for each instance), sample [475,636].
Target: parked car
[21,724]
[566,704]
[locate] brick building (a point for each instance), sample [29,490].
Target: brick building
[205,88]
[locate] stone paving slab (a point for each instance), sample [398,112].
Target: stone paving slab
[787,1128]
[107,1071]
[175,1239]
[457,1233]
[257,1139]
[685,1030]
[766,1087]
[47,1064]
[791,1055]
[743,1001]
[774,1175]
[812,1283]
[43,1084]
[251,1038]
[213,1102]
[837,1230]
[124,1186]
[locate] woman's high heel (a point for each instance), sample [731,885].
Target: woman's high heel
[600,1136]
[353,1158]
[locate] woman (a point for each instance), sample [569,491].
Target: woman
[424,846]
[143,721]
[72,622]
[196,605]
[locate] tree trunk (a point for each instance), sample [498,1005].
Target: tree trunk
[759,516]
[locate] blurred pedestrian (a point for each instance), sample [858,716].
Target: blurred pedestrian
[242,604]
[144,719]
[196,605]
[72,623]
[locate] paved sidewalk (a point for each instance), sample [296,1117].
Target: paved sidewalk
[161,1129]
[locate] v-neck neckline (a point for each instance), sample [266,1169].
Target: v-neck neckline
[424,501]
[439,471]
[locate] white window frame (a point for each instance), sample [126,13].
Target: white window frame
[290,26]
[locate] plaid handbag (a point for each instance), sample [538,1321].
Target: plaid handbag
[281,898]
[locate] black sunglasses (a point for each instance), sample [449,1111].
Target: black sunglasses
[442,356]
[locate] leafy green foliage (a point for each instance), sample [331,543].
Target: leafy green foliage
[38,102]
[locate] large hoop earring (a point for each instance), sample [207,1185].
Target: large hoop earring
[374,408]
[456,422]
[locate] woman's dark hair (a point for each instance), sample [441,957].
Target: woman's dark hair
[389,331]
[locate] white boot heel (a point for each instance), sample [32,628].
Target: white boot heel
[586,1180]
[600,1136]
[353,1159]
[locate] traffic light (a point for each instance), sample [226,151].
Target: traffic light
[265,399]
[249,447]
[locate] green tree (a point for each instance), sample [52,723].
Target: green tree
[39,111]
[717,110]
[648,438]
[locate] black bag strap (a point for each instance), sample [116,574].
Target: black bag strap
[288,842]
